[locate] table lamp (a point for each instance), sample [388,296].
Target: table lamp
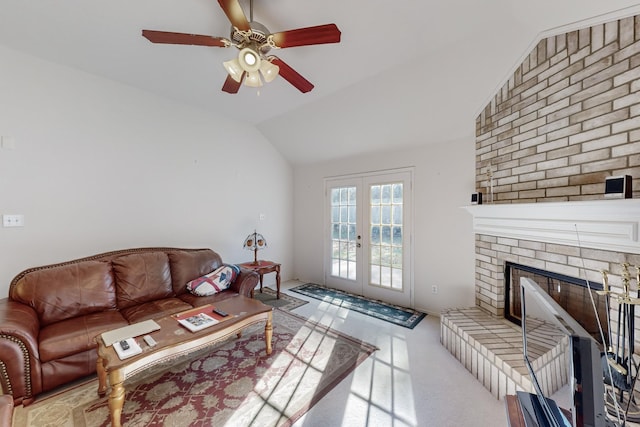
[253,242]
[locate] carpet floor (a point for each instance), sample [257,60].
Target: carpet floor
[401,316]
[232,384]
[285,302]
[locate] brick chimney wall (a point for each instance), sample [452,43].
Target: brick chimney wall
[568,117]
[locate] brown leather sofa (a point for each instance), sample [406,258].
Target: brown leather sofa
[53,313]
[6,410]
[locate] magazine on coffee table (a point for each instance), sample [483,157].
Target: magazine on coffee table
[197,321]
[198,318]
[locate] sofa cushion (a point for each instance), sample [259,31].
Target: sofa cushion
[75,335]
[155,309]
[67,291]
[142,277]
[189,265]
[214,282]
[66,369]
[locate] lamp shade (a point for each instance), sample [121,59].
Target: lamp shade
[249,60]
[234,69]
[250,64]
[253,79]
[253,242]
[269,71]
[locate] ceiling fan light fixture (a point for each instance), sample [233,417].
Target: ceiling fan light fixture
[269,71]
[234,69]
[254,41]
[253,79]
[249,60]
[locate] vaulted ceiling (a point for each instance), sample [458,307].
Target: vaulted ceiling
[406,73]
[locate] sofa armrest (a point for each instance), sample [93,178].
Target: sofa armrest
[6,410]
[19,356]
[245,282]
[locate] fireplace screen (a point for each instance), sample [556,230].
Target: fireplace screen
[571,293]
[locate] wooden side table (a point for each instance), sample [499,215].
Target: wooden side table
[262,268]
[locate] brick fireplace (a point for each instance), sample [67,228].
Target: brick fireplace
[577,239]
[567,118]
[574,295]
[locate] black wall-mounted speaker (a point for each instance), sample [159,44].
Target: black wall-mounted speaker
[476,198]
[618,187]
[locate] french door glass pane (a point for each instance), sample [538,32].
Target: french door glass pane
[343,235]
[386,231]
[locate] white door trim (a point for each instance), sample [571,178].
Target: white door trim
[410,215]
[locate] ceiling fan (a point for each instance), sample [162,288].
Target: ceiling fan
[254,42]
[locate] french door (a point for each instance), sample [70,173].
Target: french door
[368,238]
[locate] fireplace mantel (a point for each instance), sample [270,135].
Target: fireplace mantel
[600,224]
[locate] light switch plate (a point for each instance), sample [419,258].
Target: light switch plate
[8,142]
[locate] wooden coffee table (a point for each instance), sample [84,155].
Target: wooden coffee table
[173,341]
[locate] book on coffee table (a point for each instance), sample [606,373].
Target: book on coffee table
[197,321]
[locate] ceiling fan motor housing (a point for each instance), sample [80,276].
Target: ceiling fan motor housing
[257,38]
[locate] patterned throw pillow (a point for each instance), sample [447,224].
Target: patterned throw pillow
[214,282]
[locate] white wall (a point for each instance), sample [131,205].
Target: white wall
[444,252]
[99,166]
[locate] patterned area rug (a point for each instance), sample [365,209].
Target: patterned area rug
[233,384]
[380,310]
[286,302]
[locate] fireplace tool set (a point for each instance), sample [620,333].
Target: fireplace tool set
[618,364]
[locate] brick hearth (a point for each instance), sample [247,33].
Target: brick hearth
[490,348]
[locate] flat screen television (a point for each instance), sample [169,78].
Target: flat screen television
[564,364]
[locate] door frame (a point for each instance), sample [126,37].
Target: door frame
[409,219]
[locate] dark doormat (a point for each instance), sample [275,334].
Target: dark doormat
[402,316]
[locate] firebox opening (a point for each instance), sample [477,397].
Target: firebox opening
[570,292]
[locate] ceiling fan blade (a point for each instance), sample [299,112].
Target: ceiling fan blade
[292,76]
[320,34]
[182,38]
[235,14]
[232,86]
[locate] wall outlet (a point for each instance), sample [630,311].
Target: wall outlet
[434,289]
[13,220]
